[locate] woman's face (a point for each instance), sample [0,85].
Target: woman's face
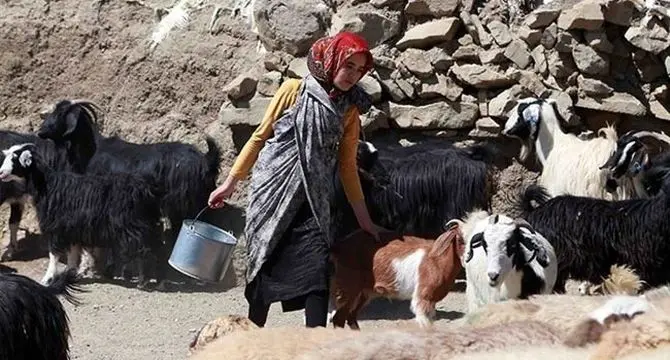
[351,72]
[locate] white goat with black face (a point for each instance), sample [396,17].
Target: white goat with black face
[507,259]
[571,165]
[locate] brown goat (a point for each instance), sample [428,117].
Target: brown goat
[396,267]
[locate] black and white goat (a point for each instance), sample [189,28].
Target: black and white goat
[413,190]
[33,322]
[504,259]
[117,211]
[184,176]
[632,160]
[590,235]
[571,165]
[14,192]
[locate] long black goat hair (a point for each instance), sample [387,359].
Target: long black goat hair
[33,322]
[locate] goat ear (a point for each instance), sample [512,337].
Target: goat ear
[71,120]
[522,223]
[539,252]
[25,159]
[452,223]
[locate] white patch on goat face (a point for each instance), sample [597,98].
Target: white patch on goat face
[16,152]
[498,262]
[370,147]
[407,274]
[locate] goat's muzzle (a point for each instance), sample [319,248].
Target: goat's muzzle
[493,278]
[611,185]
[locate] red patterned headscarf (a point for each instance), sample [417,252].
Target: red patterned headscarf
[327,55]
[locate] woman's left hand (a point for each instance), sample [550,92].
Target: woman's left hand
[374,230]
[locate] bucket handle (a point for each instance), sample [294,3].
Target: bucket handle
[197,216]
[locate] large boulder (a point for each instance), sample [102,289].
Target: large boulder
[291,25]
[375,25]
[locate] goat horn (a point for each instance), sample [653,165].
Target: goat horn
[523,223]
[656,135]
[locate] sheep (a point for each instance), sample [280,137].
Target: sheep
[536,123]
[508,259]
[631,160]
[622,280]
[401,342]
[182,175]
[401,267]
[218,327]
[413,190]
[590,235]
[117,211]
[33,323]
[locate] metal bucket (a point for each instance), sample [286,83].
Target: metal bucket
[202,251]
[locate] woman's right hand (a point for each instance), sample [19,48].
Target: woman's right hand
[223,192]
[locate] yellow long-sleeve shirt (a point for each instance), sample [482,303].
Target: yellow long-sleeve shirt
[284,98]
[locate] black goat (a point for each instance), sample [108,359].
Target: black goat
[117,211]
[15,192]
[33,322]
[415,191]
[590,235]
[184,176]
[631,159]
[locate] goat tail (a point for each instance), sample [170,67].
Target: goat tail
[622,280]
[533,193]
[66,284]
[484,152]
[213,158]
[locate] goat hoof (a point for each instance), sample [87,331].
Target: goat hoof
[9,254]
[162,286]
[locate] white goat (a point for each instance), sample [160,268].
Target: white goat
[514,262]
[571,166]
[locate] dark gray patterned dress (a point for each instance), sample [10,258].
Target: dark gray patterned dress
[288,227]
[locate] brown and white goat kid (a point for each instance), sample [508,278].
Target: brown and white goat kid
[397,267]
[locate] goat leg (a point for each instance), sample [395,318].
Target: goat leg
[16,212]
[54,259]
[424,311]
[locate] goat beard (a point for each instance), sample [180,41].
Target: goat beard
[526,148]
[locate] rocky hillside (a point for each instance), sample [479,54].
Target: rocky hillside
[446,70]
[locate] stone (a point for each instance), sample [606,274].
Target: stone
[486,127]
[407,88]
[549,36]
[584,15]
[532,37]
[374,119]
[429,33]
[500,32]
[391,87]
[590,61]
[465,40]
[517,52]
[620,12]
[618,102]
[417,62]
[659,110]
[467,53]
[371,86]
[439,58]
[560,65]
[290,25]
[666,62]
[484,37]
[652,37]
[241,87]
[531,81]
[480,76]
[492,56]
[502,103]
[276,61]
[432,8]
[250,114]
[385,3]
[434,87]
[540,60]
[598,40]
[541,18]
[376,26]
[565,42]
[622,48]
[297,68]
[593,86]
[565,106]
[269,83]
[648,66]
[439,115]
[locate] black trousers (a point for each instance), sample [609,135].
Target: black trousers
[296,273]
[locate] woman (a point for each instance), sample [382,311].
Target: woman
[310,126]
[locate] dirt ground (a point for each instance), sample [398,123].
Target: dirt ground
[98,50]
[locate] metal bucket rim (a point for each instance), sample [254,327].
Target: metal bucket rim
[191,225]
[187,273]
